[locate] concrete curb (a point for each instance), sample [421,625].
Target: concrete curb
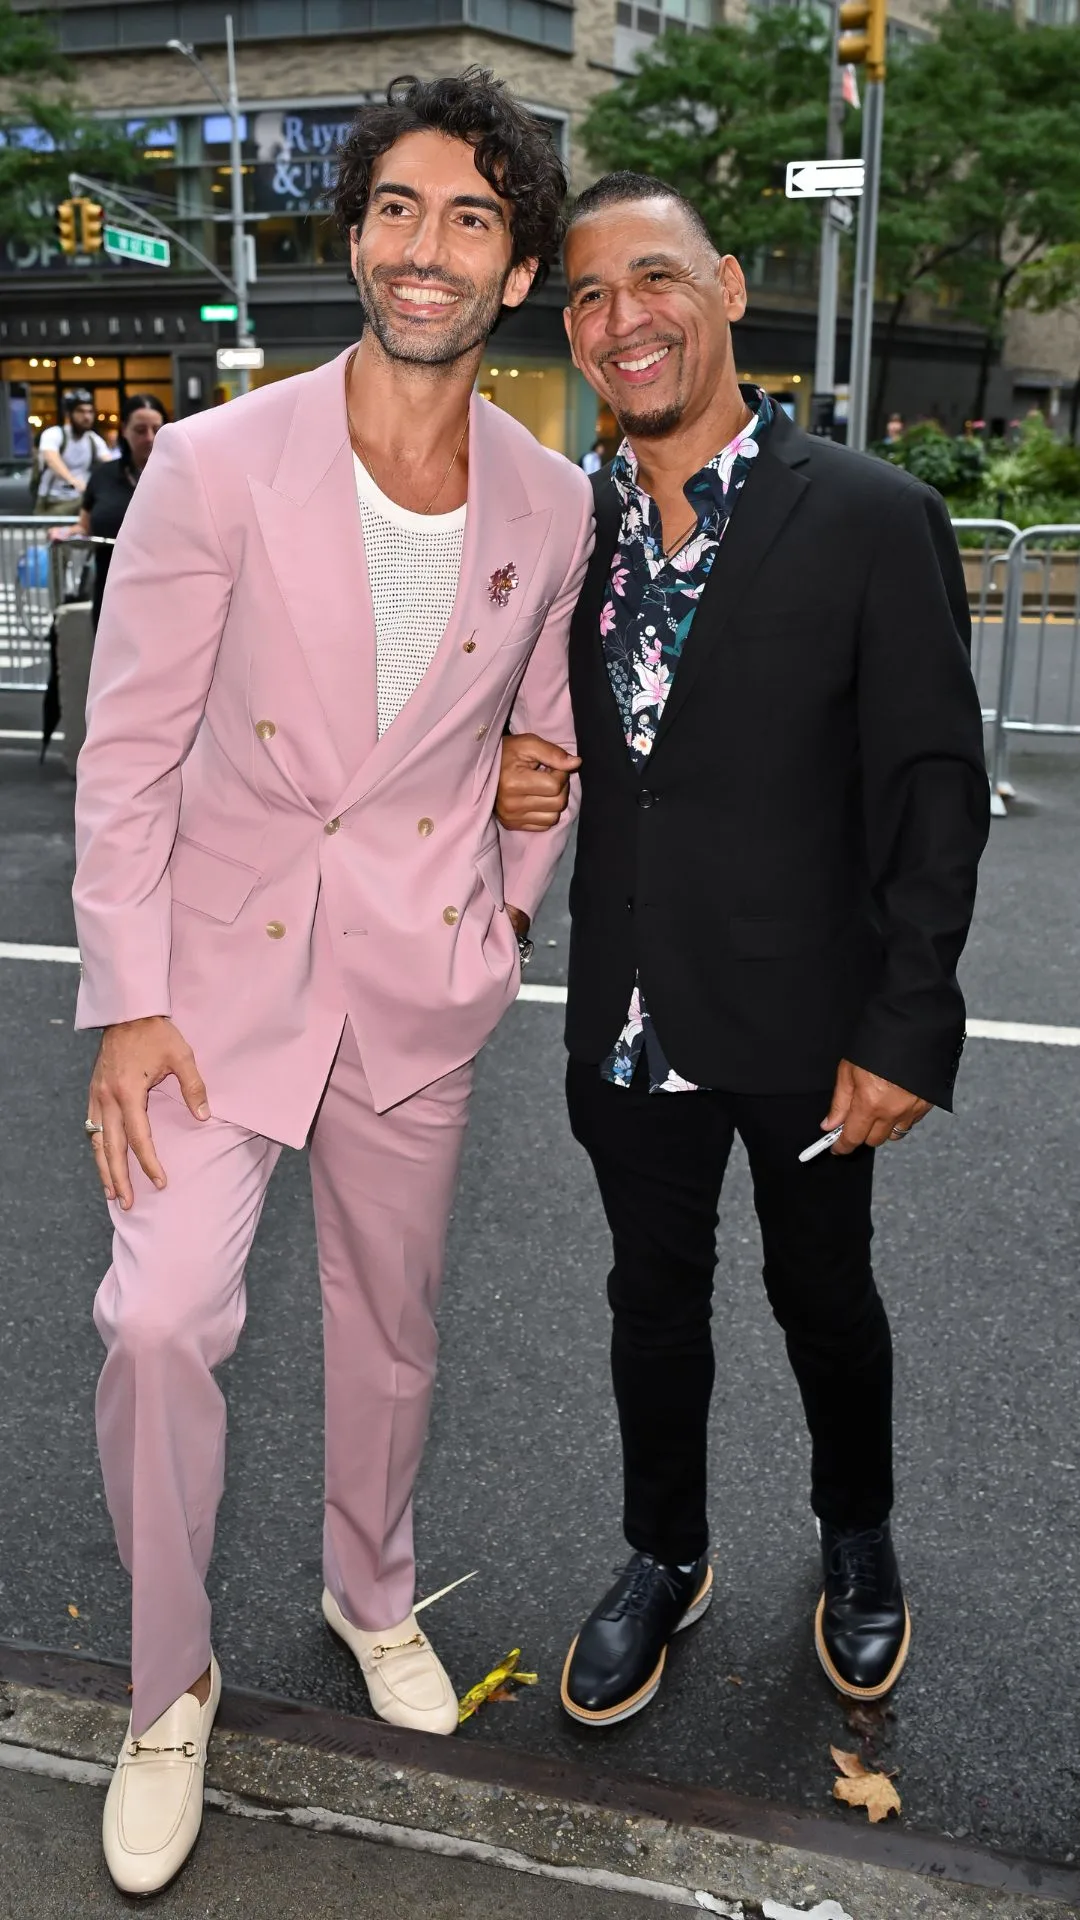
[278,1760]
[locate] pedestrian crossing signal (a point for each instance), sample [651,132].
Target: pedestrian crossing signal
[93,218]
[862,37]
[67,226]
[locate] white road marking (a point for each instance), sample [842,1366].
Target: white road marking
[1027,1034]
[1019,1030]
[15,950]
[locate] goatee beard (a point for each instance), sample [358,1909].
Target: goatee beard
[651,426]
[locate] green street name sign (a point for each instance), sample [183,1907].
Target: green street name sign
[125,244]
[225,312]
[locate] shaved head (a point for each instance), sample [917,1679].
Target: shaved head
[624,188]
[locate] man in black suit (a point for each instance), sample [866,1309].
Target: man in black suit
[783,805]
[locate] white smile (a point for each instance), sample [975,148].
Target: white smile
[647,360]
[424,296]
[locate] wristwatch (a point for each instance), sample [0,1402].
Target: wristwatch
[525,949]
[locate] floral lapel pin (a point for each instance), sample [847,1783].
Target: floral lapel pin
[502,584]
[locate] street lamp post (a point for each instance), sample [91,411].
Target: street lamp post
[231,105]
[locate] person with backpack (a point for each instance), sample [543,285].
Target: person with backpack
[67,456]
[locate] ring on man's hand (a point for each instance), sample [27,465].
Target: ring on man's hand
[899,1133]
[91,1127]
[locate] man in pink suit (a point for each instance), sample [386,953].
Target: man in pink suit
[299,920]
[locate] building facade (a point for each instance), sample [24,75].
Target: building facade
[303,67]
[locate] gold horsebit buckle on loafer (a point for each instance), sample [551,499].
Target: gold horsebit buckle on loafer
[189,1749]
[398,1646]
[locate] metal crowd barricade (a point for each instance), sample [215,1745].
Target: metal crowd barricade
[1039,686]
[986,573]
[71,587]
[26,608]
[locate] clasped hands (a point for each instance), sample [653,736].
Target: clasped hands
[534,790]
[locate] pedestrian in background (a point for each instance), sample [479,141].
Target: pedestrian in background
[783,805]
[67,456]
[111,485]
[592,461]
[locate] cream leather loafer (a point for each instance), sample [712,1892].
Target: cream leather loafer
[406,1681]
[154,1806]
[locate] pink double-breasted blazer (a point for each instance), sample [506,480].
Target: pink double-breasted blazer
[251,858]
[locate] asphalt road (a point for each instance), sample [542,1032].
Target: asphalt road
[976,1254]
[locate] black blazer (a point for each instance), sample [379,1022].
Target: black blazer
[793,871]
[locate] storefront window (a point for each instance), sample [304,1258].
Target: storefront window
[45,380]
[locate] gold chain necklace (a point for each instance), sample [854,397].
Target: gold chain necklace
[359,445]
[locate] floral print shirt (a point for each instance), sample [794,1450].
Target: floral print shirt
[646,614]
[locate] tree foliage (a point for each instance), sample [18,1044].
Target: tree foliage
[716,114]
[45,130]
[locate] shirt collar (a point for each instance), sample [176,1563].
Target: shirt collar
[714,475]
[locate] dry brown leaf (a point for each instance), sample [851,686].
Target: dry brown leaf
[868,1720]
[733,1680]
[73,1610]
[860,1787]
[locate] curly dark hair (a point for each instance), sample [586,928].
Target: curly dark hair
[513,152]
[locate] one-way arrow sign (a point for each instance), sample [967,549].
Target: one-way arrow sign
[820,179]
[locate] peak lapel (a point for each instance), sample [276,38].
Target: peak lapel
[774,489]
[501,530]
[310,522]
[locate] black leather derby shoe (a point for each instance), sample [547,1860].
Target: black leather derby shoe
[862,1629]
[617,1661]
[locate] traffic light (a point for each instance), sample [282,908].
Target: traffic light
[67,226]
[862,37]
[92,220]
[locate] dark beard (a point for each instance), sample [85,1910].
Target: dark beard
[652,426]
[473,321]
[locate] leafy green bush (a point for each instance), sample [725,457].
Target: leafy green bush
[929,453]
[1033,481]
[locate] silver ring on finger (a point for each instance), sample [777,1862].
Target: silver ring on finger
[899,1133]
[90,1127]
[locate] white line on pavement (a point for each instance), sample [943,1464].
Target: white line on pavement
[1018,1030]
[15,950]
[1028,1034]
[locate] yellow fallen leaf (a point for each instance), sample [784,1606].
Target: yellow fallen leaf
[73,1610]
[494,1685]
[860,1787]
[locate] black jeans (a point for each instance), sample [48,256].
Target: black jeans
[659,1160]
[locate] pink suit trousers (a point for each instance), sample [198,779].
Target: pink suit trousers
[171,1308]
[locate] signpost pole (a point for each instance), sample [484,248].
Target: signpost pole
[829,272]
[862,318]
[239,241]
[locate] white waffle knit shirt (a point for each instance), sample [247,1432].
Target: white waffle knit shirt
[413,563]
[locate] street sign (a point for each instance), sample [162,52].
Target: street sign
[125,244]
[840,213]
[239,359]
[220,312]
[820,179]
